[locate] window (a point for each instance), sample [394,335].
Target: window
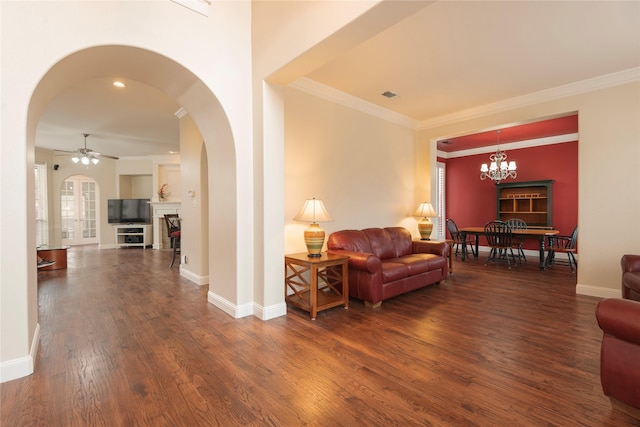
[42,205]
[440,197]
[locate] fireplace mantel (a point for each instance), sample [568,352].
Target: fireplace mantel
[160,209]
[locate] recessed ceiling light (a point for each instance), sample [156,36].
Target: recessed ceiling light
[119,84]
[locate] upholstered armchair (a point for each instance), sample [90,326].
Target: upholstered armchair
[631,277]
[619,319]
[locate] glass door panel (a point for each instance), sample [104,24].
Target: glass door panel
[78,204]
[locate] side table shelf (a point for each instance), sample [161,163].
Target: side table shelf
[315,284]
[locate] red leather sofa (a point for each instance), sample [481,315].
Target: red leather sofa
[619,319]
[631,277]
[386,262]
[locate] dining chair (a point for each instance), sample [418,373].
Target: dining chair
[456,236]
[173,231]
[518,224]
[563,244]
[500,239]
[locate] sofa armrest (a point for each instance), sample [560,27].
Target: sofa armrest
[430,247]
[360,260]
[630,263]
[620,318]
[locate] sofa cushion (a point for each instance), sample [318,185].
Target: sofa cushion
[401,240]
[349,240]
[421,263]
[392,271]
[382,244]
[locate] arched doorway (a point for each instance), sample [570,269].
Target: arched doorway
[210,118]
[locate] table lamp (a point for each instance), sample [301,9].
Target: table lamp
[313,211]
[425,226]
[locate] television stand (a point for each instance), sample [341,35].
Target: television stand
[132,235]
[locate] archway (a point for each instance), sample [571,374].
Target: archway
[205,109]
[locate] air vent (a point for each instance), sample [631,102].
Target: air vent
[389,94]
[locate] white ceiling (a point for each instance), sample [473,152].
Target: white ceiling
[448,57]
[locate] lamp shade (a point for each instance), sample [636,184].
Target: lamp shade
[313,211]
[425,210]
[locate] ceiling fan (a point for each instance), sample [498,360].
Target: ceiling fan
[86,155]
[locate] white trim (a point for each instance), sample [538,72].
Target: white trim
[248,309]
[312,87]
[576,88]
[609,80]
[23,366]
[559,139]
[192,277]
[597,291]
[200,6]
[270,312]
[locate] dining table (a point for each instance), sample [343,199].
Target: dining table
[528,233]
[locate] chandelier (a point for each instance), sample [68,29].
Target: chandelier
[499,169]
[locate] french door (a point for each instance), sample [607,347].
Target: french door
[78,208]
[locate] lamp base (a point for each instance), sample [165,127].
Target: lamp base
[314,255]
[425,227]
[314,238]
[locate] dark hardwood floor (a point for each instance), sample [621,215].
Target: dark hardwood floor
[124,341]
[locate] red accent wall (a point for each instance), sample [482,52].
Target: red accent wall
[472,202]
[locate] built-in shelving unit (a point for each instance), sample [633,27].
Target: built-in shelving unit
[132,235]
[529,201]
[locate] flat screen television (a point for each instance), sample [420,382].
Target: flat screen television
[129,211]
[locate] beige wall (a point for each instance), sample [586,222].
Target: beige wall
[360,166]
[608,175]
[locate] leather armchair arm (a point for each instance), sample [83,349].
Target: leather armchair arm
[630,263]
[620,318]
[360,260]
[430,247]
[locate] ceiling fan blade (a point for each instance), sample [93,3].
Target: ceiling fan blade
[65,151]
[107,156]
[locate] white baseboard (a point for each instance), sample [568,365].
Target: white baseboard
[248,309]
[23,366]
[192,277]
[597,291]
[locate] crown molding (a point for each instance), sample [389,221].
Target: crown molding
[609,80]
[571,89]
[558,139]
[312,87]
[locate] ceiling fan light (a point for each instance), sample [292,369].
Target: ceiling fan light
[95,160]
[75,159]
[85,160]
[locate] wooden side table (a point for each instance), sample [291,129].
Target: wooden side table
[315,284]
[54,253]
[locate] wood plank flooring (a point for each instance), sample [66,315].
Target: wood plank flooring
[125,341]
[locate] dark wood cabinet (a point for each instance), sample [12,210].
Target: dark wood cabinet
[529,201]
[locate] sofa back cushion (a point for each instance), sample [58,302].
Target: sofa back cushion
[381,242]
[401,240]
[349,240]
[390,242]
